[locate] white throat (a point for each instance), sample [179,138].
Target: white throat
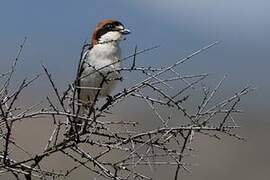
[112,36]
[109,51]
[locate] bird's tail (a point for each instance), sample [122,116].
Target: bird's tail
[82,119]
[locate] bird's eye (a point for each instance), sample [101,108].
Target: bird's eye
[109,26]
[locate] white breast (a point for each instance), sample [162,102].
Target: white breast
[99,71]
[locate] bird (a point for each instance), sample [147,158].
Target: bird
[97,72]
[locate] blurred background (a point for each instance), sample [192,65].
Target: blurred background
[57,29]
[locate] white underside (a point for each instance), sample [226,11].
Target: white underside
[98,57]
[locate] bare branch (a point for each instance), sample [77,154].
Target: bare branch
[102,142]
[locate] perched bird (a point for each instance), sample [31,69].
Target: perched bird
[97,70]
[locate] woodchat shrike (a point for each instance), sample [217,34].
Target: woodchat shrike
[97,72]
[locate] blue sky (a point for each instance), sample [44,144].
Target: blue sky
[56,30]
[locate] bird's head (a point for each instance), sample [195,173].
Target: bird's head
[108,31]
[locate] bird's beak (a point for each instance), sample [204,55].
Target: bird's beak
[125,31]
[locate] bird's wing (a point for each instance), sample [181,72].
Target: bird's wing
[84,53]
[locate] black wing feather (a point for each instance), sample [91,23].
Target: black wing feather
[85,51]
